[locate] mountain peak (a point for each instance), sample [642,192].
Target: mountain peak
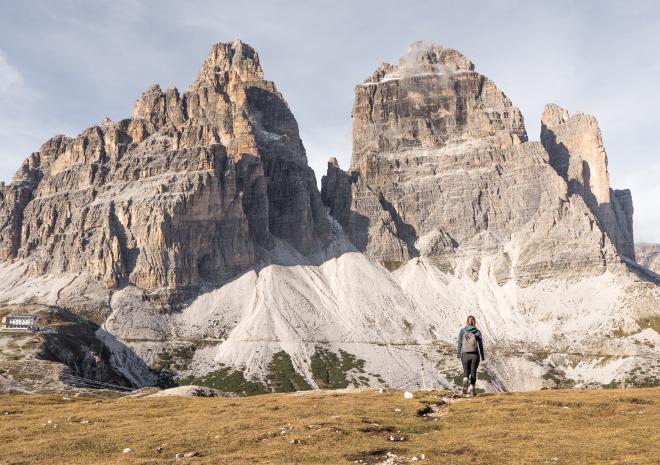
[422,58]
[227,59]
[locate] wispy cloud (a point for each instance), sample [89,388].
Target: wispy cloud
[10,78]
[14,91]
[18,103]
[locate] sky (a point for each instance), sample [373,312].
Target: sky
[65,65]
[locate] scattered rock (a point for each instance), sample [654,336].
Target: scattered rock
[128,450]
[191,391]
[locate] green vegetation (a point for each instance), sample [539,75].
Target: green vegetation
[484,376]
[612,385]
[392,265]
[558,377]
[481,375]
[640,378]
[175,359]
[283,377]
[458,379]
[330,370]
[227,380]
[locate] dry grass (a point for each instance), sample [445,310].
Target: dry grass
[570,427]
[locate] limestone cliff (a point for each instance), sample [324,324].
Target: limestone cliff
[442,168]
[184,194]
[576,150]
[648,255]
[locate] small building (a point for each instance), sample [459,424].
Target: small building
[25,321]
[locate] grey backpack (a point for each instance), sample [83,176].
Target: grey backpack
[469,342]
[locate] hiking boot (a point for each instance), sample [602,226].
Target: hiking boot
[473,391]
[465,386]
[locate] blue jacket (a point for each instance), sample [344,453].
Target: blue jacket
[477,333]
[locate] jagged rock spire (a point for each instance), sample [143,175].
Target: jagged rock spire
[192,190]
[228,60]
[442,166]
[575,146]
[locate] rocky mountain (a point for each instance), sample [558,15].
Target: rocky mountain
[576,151]
[648,255]
[195,236]
[441,167]
[182,195]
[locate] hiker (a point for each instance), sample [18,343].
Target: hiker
[470,347]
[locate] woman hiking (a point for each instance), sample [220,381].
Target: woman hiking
[470,347]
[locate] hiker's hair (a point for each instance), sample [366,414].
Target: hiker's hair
[471,320]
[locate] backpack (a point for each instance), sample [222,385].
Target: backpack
[469,342]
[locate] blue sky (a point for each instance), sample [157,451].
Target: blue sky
[65,65]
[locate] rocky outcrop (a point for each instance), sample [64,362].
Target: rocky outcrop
[576,150]
[65,353]
[648,255]
[372,228]
[186,193]
[442,155]
[431,99]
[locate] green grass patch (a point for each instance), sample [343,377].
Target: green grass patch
[481,376]
[458,379]
[331,370]
[283,377]
[392,265]
[484,376]
[227,380]
[639,378]
[174,359]
[558,377]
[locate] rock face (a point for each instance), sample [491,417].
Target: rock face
[186,193]
[576,151]
[195,236]
[442,168]
[648,255]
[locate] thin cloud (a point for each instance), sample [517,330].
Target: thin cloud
[17,122]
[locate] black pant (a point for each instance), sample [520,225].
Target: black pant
[470,364]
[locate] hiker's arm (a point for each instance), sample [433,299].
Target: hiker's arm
[481,348]
[459,343]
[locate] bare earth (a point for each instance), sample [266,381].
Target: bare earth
[553,427]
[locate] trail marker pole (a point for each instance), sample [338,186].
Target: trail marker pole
[423,379]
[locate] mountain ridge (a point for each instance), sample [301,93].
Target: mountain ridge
[195,235]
